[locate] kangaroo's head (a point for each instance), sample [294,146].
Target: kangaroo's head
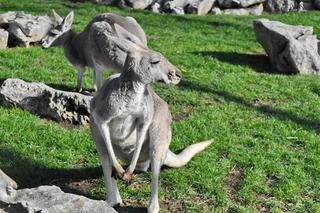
[148,66]
[144,64]
[55,36]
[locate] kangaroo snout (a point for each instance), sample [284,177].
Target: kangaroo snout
[174,76]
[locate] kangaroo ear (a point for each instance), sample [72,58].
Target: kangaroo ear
[125,45]
[68,20]
[56,17]
[125,34]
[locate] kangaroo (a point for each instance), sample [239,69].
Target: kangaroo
[93,46]
[129,121]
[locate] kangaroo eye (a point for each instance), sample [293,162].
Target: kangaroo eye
[155,62]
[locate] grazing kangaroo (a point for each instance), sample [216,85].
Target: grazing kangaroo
[93,47]
[129,121]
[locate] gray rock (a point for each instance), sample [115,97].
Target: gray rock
[317,4]
[238,3]
[254,10]
[4,36]
[248,3]
[7,187]
[156,7]
[26,28]
[280,6]
[45,101]
[139,4]
[216,11]
[201,7]
[50,199]
[7,17]
[177,11]
[291,49]
[170,5]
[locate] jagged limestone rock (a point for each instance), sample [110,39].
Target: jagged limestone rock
[45,101]
[49,199]
[291,49]
[26,28]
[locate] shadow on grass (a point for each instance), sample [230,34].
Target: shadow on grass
[129,209]
[204,21]
[28,173]
[260,63]
[306,123]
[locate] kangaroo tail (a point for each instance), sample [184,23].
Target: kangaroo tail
[181,159]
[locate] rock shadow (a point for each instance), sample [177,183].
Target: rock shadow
[307,123]
[29,173]
[258,62]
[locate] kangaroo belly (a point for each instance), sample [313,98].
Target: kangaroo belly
[123,135]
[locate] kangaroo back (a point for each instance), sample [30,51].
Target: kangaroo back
[128,23]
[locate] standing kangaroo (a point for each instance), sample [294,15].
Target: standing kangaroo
[129,121]
[93,47]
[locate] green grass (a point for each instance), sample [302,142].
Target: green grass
[265,126]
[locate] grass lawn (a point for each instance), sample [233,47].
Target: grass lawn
[266,126]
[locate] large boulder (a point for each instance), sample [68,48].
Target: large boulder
[4,36]
[47,199]
[26,28]
[291,49]
[45,101]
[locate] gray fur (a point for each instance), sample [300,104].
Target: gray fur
[129,121]
[94,47]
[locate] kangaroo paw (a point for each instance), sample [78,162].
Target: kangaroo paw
[117,174]
[127,177]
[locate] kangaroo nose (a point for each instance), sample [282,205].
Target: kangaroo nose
[178,74]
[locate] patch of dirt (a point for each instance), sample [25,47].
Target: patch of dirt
[259,102]
[179,116]
[205,205]
[264,208]
[233,181]
[272,180]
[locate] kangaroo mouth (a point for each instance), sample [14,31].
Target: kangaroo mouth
[174,77]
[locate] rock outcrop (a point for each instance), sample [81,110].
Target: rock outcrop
[49,199]
[45,101]
[291,49]
[25,29]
